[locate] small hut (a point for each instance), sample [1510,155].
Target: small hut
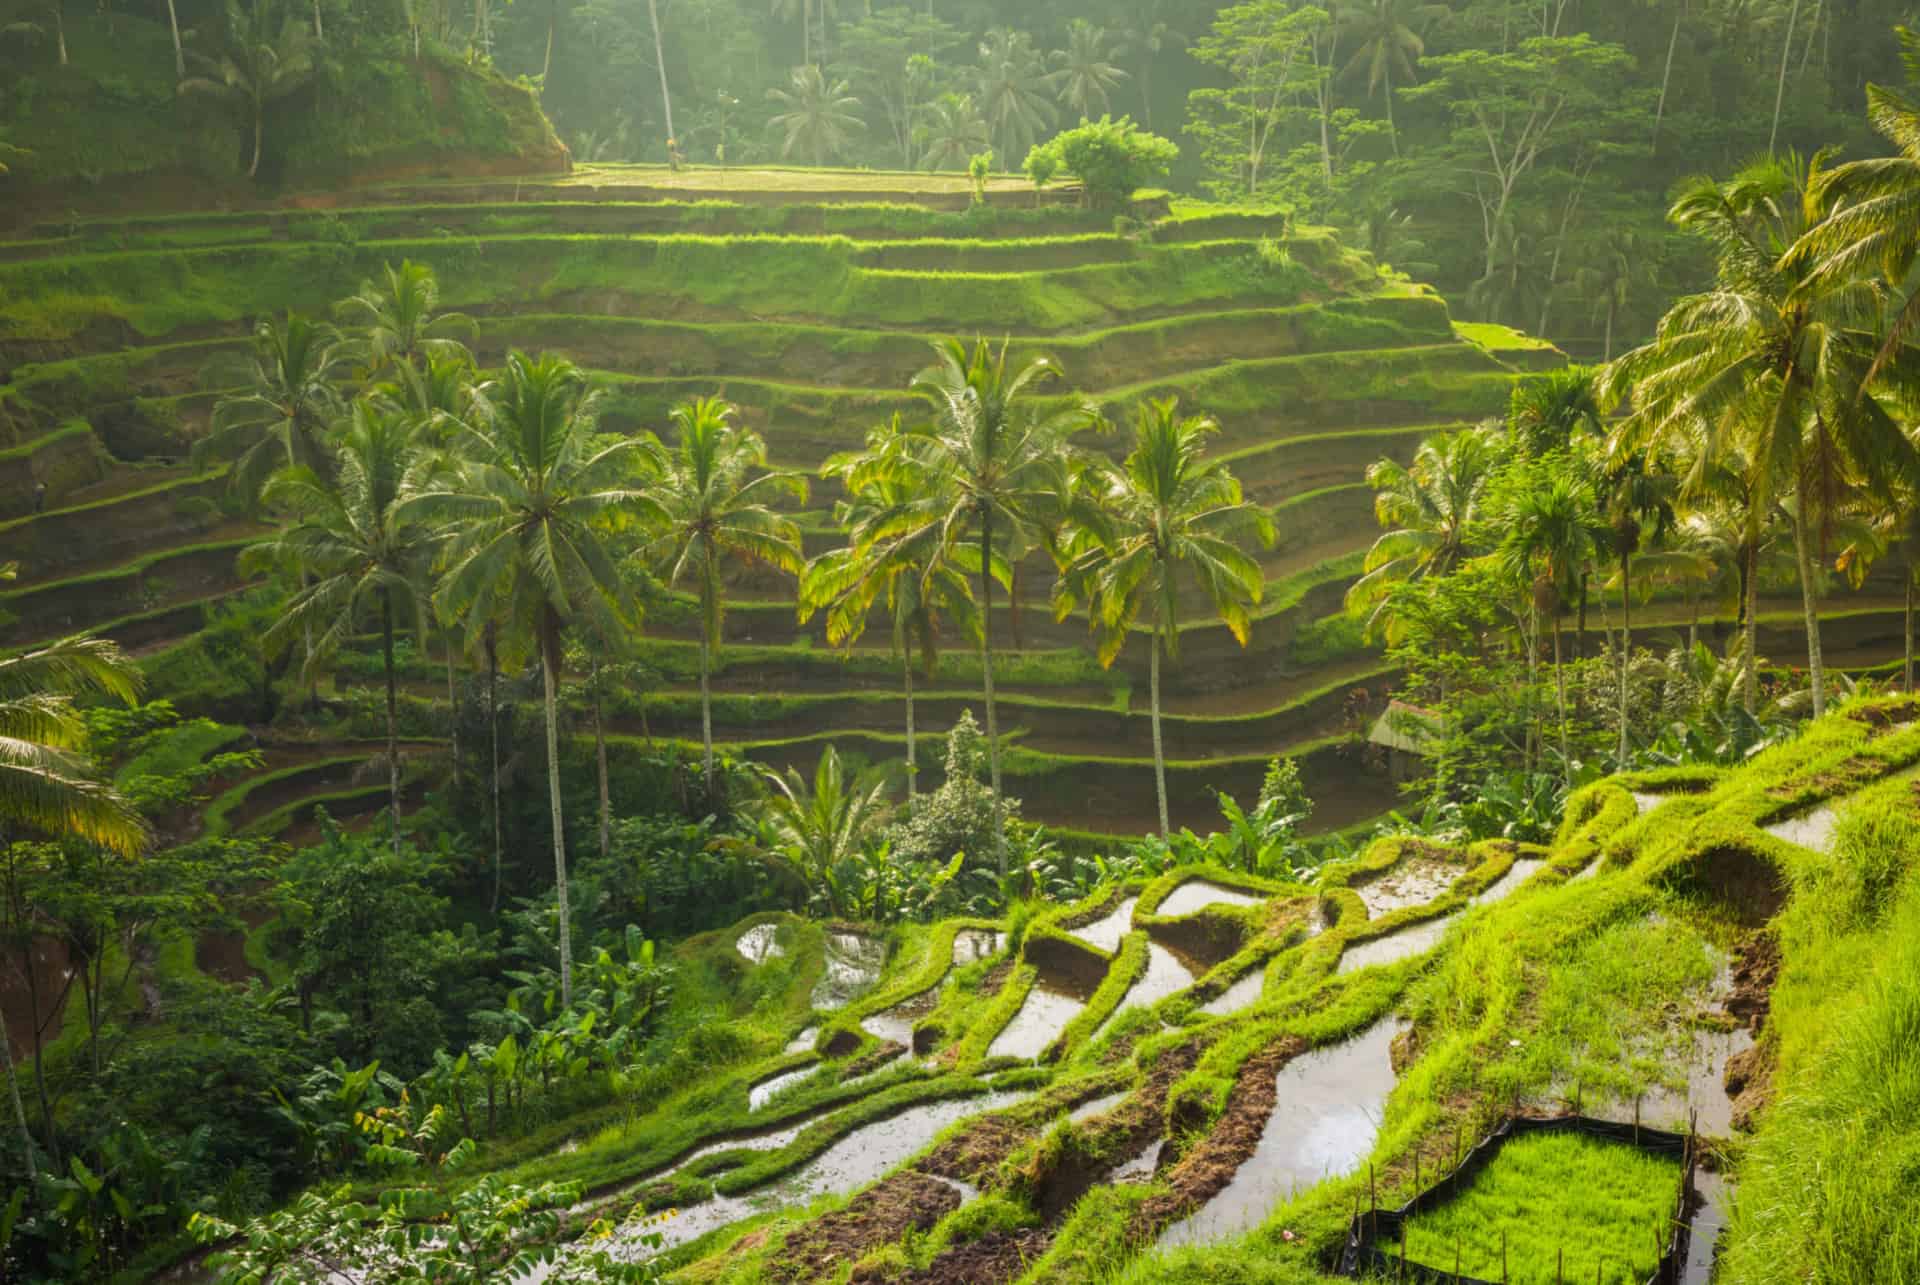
[1410,735]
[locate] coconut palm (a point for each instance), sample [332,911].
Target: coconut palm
[46,782]
[1427,509]
[922,581]
[362,557]
[289,398]
[952,132]
[1637,494]
[992,457]
[821,827]
[709,508]
[525,549]
[1387,47]
[1889,526]
[1012,83]
[819,117]
[1770,365]
[1553,533]
[1620,270]
[1164,519]
[263,62]
[392,323]
[1085,76]
[1145,37]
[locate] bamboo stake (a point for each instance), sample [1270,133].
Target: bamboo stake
[1560,1268]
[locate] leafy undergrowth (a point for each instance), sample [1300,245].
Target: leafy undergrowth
[1553,1202]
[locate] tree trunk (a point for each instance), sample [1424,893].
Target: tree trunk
[1666,77]
[1751,626]
[1580,635]
[550,674]
[706,710]
[913,761]
[179,55]
[986,669]
[1780,91]
[319,33]
[453,717]
[60,28]
[1393,131]
[1809,605]
[1159,754]
[493,727]
[553,23]
[660,57]
[1907,668]
[1626,643]
[600,756]
[19,1106]
[1560,686]
[393,714]
[253,170]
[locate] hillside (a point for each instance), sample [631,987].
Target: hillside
[1203,1075]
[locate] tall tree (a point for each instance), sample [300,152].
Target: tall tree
[1264,48]
[709,507]
[46,782]
[395,322]
[1012,80]
[1387,44]
[1637,495]
[1427,509]
[362,556]
[952,132]
[260,65]
[660,61]
[819,118]
[1146,36]
[1084,76]
[992,456]
[1163,520]
[288,397]
[525,537]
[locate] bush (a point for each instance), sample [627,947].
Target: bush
[1111,158]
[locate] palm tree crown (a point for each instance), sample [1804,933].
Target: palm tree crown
[1085,77]
[45,780]
[280,421]
[819,118]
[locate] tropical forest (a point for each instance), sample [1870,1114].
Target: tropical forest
[865,642]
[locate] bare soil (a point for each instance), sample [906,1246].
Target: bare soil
[881,1215]
[1749,1075]
[1066,966]
[1744,884]
[1201,940]
[997,1256]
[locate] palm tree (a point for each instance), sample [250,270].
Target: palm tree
[525,545]
[280,420]
[1637,497]
[1146,36]
[818,117]
[1388,47]
[952,132]
[1873,225]
[1012,78]
[822,827]
[1771,364]
[1622,268]
[709,506]
[259,66]
[394,325]
[991,458]
[921,579]
[362,555]
[1427,509]
[1085,76]
[1161,518]
[46,783]
[1553,533]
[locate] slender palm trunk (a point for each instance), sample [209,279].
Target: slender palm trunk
[393,715]
[259,114]
[706,710]
[1533,689]
[986,669]
[453,717]
[913,759]
[553,23]
[1560,687]
[1780,91]
[600,756]
[550,674]
[1626,642]
[179,55]
[1393,130]
[1666,79]
[660,57]
[60,28]
[1159,753]
[1907,667]
[493,726]
[1751,625]
[19,1106]
[1809,605]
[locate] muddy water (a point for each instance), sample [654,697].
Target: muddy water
[758,943]
[1505,886]
[1411,883]
[804,1040]
[1142,1166]
[853,966]
[764,1092]
[1324,1123]
[1165,976]
[849,1164]
[1241,994]
[1106,932]
[1416,940]
[972,945]
[1042,1018]
[1197,894]
[1705,1098]
[1810,829]
[1099,1106]
[1708,1224]
[1589,871]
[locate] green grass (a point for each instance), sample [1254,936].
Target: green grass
[1601,1205]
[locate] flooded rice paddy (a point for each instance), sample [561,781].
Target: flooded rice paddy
[1326,1117]
[971,945]
[1198,894]
[1417,940]
[1812,829]
[853,966]
[1165,976]
[1413,882]
[767,1090]
[1038,1023]
[1507,884]
[1105,932]
[760,943]
[1242,994]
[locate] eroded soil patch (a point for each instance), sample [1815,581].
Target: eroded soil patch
[881,1215]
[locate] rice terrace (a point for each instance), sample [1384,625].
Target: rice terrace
[723,642]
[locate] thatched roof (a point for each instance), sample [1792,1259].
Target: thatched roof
[1407,728]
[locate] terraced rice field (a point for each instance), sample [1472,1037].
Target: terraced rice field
[807,298]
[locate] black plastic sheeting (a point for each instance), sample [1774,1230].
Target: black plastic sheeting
[1373,1242]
